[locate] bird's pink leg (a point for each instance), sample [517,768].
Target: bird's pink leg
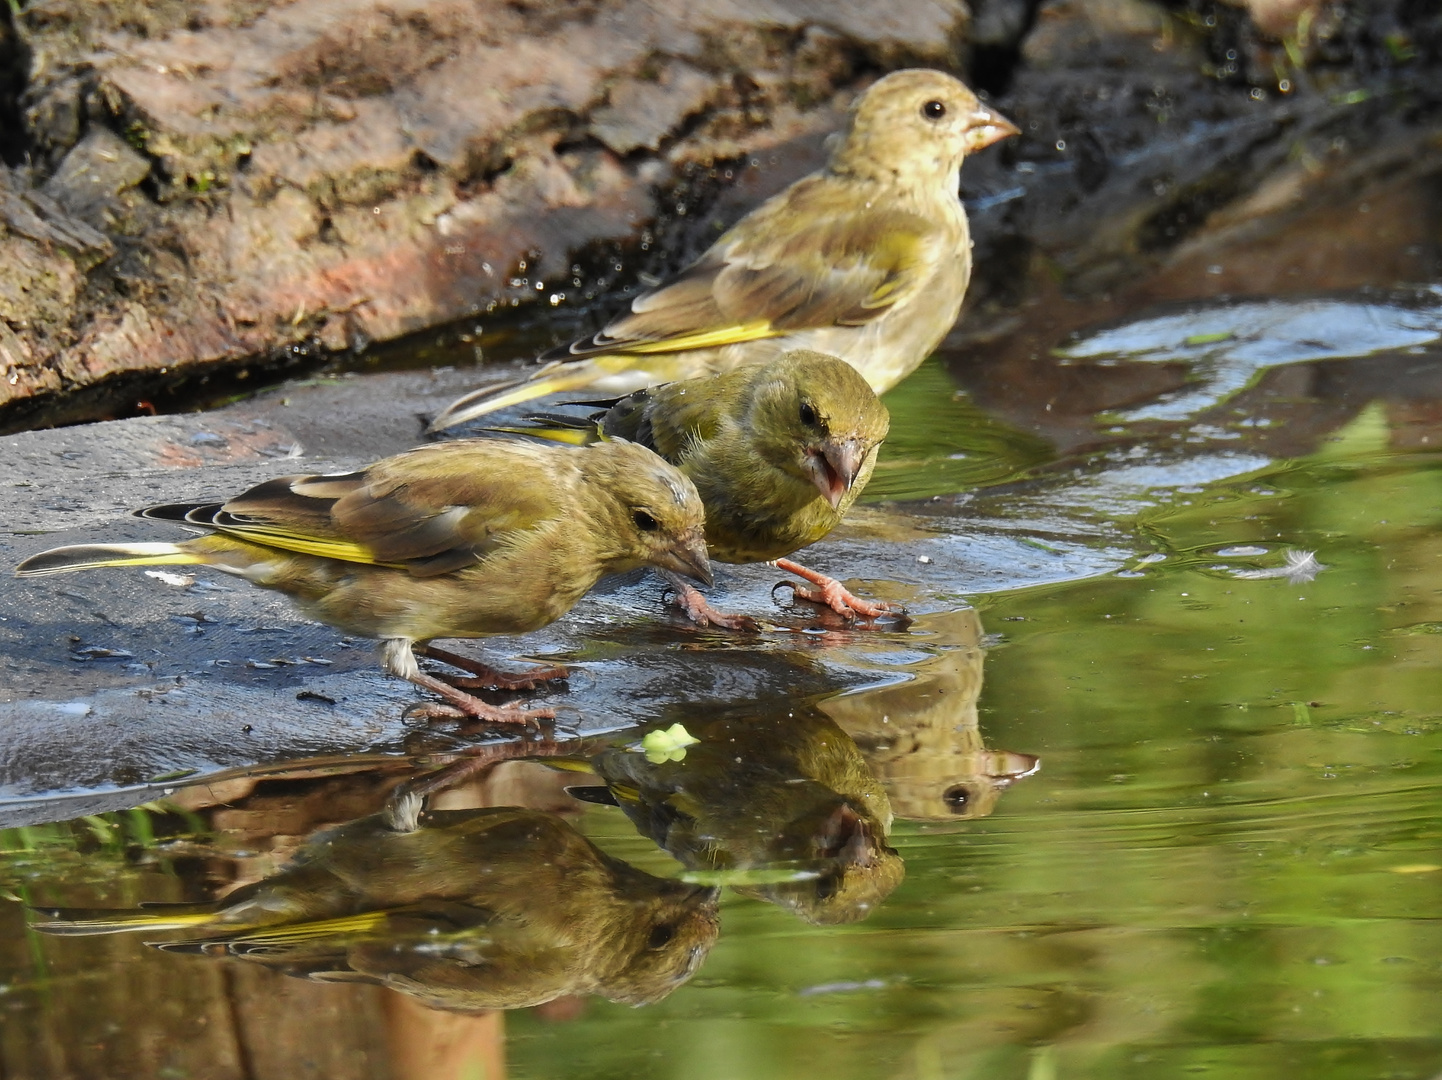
[700,611]
[487,677]
[833,594]
[463,706]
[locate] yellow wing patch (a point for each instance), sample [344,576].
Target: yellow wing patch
[323,547]
[703,339]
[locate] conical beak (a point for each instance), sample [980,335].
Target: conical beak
[833,467]
[688,557]
[987,127]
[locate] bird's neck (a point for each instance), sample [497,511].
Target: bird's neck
[920,181]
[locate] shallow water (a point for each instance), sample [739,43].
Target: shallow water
[1190,824]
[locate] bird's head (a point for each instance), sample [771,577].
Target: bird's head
[654,516]
[917,121]
[815,417]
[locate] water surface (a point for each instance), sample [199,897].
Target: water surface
[1166,795]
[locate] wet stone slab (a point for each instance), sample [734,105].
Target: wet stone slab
[113,681]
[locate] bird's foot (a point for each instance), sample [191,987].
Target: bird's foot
[486,677]
[478,711]
[699,611]
[403,808]
[834,595]
[458,705]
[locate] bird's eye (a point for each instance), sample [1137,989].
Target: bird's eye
[933,110]
[808,414]
[660,936]
[644,521]
[956,798]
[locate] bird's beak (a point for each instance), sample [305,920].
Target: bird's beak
[988,127]
[833,467]
[688,557]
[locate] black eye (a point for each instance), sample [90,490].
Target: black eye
[957,798]
[808,414]
[660,936]
[933,110]
[644,521]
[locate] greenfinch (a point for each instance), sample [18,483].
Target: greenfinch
[783,808]
[498,908]
[459,539]
[921,734]
[867,259]
[778,452]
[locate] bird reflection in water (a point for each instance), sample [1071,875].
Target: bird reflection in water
[921,736]
[781,807]
[492,908]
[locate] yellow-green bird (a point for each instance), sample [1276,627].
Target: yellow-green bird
[498,908]
[778,452]
[867,259]
[460,539]
[782,808]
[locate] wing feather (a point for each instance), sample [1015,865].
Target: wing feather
[430,510]
[800,262]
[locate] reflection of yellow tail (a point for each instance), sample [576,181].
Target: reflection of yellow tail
[78,922]
[259,939]
[62,560]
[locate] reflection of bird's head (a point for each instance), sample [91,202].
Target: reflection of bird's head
[671,936]
[815,417]
[657,515]
[917,122]
[850,870]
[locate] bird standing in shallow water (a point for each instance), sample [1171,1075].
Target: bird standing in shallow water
[867,259]
[461,539]
[777,451]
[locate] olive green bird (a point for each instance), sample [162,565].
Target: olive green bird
[867,259]
[778,452]
[498,908]
[459,539]
[782,808]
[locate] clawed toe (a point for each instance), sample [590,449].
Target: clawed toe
[476,711]
[842,601]
[699,611]
[501,680]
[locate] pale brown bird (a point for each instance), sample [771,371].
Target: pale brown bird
[460,539]
[867,259]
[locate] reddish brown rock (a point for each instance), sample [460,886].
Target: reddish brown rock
[220,182]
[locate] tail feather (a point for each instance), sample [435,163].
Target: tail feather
[62,560]
[80,922]
[554,378]
[190,513]
[281,938]
[558,428]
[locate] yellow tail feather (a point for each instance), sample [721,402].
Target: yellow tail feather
[81,922]
[490,399]
[295,933]
[62,560]
[569,436]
